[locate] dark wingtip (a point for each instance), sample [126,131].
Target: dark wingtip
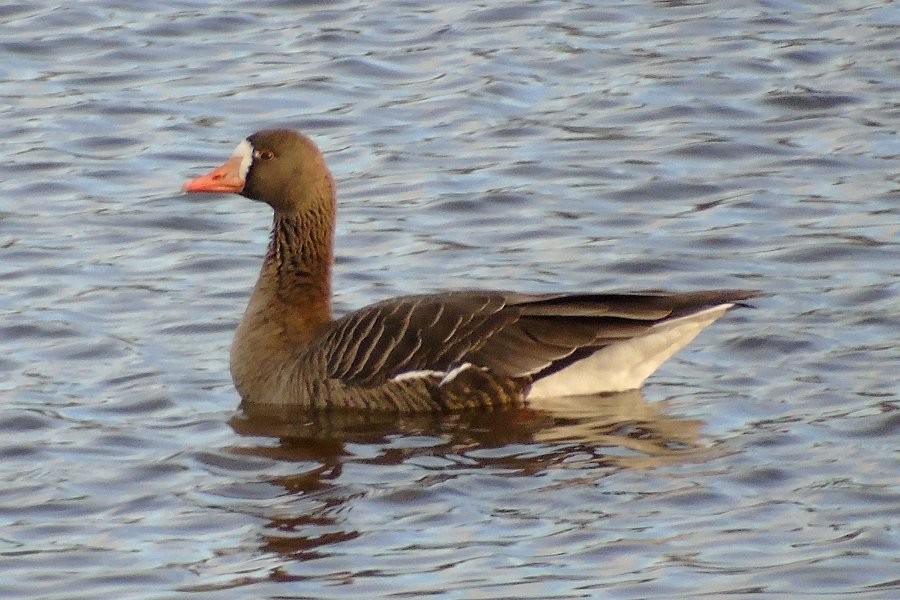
[742,295]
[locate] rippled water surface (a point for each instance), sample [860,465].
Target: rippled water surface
[527,145]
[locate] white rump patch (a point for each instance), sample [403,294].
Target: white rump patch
[625,365]
[244,150]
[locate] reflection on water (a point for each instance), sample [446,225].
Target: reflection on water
[610,432]
[622,430]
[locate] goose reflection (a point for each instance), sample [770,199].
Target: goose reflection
[620,431]
[624,429]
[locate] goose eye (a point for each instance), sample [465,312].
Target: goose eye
[265,154]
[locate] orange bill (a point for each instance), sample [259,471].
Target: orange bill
[224,179]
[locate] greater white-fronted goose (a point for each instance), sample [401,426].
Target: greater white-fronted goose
[433,352]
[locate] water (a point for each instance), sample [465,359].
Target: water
[533,146]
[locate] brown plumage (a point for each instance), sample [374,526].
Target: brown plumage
[448,351]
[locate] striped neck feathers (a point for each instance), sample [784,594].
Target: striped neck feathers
[300,256]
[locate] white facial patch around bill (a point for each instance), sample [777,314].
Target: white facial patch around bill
[244,150]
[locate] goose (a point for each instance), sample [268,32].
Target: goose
[449,351]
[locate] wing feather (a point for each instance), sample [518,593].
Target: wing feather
[511,335]
[344,342]
[411,333]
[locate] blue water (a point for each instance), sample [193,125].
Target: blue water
[532,146]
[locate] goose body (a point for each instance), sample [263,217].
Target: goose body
[433,352]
